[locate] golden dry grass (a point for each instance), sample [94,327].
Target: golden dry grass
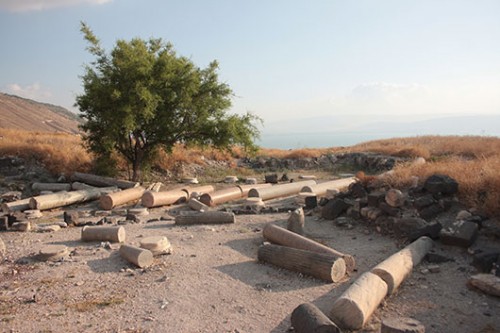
[473,161]
[57,152]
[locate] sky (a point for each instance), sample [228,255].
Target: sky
[326,69]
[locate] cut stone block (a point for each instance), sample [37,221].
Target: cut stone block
[157,245]
[460,233]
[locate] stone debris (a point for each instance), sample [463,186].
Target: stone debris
[401,325]
[395,198]
[53,253]
[460,233]
[231,179]
[487,283]
[23,226]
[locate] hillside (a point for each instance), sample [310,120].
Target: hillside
[25,114]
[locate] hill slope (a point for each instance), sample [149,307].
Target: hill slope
[29,115]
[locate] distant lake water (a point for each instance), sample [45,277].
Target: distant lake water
[325,140]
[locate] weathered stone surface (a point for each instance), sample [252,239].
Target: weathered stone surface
[430,212]
[357,190]
[435,258]
[371,213]
[441,184]
[463,215]
[48,228]
[23,226]
[408,225]
[271,179]
[460,233]
[53,252]
[4,223]
[389,210]
[311,202]
[401,325]
[395,198]
[375,198]
[296,221]
[431,230]
[424,201]
[333,209]
[488,283]
[483,261]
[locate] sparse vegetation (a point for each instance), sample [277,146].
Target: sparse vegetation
[472,160]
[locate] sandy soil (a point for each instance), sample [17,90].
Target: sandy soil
[213,283]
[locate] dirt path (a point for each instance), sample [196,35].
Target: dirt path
[213,283]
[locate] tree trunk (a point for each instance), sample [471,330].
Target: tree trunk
[322,266]
[281,236]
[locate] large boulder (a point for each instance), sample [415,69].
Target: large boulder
[334,208]
[441,184]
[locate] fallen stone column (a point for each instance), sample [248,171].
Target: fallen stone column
[246,188]
[322,266]
[322,188]
[198,190]
[307,318]
[281,190]
[75,186]
[211,217]
[102,181]
[108,201]
[136,255]
[355,306]
[397,267]
[156,199]
[54,187]
[103,234]
[60,199]
[16,206]
[197,205]
[281,236]
[221,196]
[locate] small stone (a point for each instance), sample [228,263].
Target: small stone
[251,181]
[434,268]
[488,283]
[271,179]
[23,226]
[190,180]
[231,179]
[157,245]
[463,215]
[33,213]
[48,228]
[401,325]
[141,211]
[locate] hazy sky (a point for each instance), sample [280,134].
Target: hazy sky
[283,59]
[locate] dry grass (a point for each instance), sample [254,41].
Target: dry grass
[472,160]
[57,152]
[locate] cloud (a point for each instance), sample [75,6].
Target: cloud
[418,99]
[33,91]
[37,5]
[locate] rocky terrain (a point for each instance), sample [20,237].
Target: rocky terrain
[212,280]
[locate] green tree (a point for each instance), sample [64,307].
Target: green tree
[143,96]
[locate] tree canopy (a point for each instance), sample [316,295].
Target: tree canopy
[143,96]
